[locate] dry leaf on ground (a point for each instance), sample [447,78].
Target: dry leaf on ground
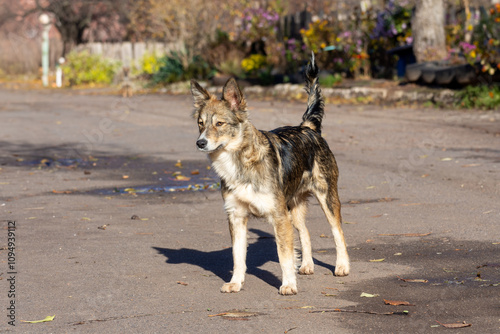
[397,302]
[455,325]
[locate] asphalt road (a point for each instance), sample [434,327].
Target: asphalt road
[115,235]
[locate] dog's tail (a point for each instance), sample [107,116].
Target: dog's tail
[315,105]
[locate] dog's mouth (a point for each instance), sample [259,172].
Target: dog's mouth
[206,150]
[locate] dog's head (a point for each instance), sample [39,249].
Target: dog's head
[219,121]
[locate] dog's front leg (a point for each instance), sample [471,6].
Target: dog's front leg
[283,231]
[238,228]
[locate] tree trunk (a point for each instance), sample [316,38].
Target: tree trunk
[429,41]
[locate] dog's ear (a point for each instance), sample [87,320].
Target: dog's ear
[232,94]
[200,95]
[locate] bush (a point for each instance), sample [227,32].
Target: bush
[178,67]
[85,68]
[479,97]
[330,80]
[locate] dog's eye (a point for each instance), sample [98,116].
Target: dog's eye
[219,123]
[200,123]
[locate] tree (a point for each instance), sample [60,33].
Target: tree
[80,20]
[429,41]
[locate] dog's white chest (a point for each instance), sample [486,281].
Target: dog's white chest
[259,203]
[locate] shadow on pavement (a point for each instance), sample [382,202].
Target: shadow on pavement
[220,262]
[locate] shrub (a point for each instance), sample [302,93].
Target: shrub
[85,68]
[178,66]
[149,63]
[479,97]
[330,80]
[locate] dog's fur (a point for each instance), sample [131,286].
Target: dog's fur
[270,174]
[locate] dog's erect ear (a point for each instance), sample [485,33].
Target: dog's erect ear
[232,94]
[200,95]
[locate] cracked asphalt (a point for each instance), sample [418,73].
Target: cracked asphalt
[120,227]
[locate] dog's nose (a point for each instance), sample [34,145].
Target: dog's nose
[202,143]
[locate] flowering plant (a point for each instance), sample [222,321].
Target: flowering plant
[486,36]
[394,25]
[253,63]
[257,24]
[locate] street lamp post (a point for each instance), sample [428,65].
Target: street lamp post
[45,21]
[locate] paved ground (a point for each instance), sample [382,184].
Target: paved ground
[420,189]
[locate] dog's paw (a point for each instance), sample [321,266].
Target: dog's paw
[231,287]
[287,290]
[342,269]
[306,269]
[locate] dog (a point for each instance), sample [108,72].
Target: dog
[271,174]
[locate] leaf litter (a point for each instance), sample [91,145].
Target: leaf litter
[47,318]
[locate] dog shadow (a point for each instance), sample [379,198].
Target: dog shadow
[220,262]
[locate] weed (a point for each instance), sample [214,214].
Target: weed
[479,97]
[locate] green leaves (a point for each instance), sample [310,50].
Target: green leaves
[48,318]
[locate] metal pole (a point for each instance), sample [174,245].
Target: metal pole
[45,55]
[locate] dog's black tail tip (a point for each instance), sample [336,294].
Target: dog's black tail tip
[313,116]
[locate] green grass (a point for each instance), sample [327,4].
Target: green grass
[479,97]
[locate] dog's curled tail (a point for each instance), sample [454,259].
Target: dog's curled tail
[313,116]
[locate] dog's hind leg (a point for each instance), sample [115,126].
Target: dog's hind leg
[299,222]
[238,228]
[283,231]
[330,204]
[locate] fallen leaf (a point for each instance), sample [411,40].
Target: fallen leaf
[182,283]
[103,227]
[86,218]
[178,164]
[130,190]
[397,302]
[446,159]
[182,178]
[397,254]
[411,280]
[195,172]
[360,311]
[404,234]
[378,260]
[370,187]
[323,236]
[48,318]
[307,306]
[125,176]
[368,295]
[471,165]
[61,191]
[235,314]
[455,325]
